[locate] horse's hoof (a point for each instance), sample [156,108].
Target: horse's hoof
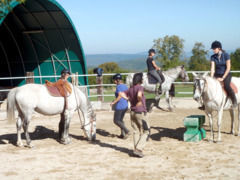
[30,145]
[19,144]
[170,109]
[65,141]
[210,140]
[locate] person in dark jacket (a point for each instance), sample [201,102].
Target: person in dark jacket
[154,70]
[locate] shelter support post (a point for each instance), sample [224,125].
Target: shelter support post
[99,82]
[31,79]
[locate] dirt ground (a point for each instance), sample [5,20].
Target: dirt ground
[167,156]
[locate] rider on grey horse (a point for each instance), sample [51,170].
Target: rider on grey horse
[220,69]
[154,70]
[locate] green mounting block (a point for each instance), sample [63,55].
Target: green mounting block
[194,132]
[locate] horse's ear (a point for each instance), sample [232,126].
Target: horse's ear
[194,74]
[182,66]
[205,75]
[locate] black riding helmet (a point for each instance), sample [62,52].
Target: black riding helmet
[117,77]
[216,44]
[65,71]
[151,51]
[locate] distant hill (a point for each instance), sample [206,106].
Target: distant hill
[97,59]
[134,62]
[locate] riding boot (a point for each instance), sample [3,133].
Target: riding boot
[157,94]
[233,98]
[160,89]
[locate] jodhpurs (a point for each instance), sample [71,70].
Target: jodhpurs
[155,74]
[118,120]
[141,129]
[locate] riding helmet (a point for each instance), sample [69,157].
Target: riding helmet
[216,44]
[151,51]
[66,71]
[117,77]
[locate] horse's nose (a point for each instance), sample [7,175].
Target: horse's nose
[196,98]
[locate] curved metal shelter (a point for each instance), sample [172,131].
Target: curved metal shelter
[38,36]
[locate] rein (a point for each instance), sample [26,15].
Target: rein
[82,124]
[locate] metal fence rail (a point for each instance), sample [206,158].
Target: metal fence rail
[97,85]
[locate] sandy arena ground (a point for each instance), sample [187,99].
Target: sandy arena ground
[166,155]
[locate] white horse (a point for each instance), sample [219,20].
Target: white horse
[170,76]
[215,99]
[35,97]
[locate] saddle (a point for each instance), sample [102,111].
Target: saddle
[232,85]
[152,80]
[61,88]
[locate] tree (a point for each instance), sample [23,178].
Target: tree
[235,60]
[168,51]
[110,67]
[5,6]
[198,60]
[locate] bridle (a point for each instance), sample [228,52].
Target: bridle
[197,85]
[183,74]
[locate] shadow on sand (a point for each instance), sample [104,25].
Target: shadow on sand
[166,132]
[40,132]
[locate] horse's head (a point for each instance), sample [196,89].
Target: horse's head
[183,74]
[199,84]
[88,122]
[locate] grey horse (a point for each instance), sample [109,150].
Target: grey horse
[170,76]
[35,97]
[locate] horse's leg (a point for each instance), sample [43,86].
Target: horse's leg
[232,120]
[211,126]
[61,127]
[26,122]
[67,124]
[168,101]
[19,127]
[220,114]
[238,119]
[64,127]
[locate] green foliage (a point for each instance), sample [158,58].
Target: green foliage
[108,67]
[5,5]
[198,61]
[168,51]
[235,60]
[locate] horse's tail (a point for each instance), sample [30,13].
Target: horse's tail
[11,105]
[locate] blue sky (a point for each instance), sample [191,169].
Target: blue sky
[130,26]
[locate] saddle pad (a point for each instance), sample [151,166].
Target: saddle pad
[53,91]
[232,85]
[60,88]
[151,79]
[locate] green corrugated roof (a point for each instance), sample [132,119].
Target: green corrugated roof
[39,36]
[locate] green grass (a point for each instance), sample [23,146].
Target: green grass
[178,88]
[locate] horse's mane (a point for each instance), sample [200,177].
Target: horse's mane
[171,71]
